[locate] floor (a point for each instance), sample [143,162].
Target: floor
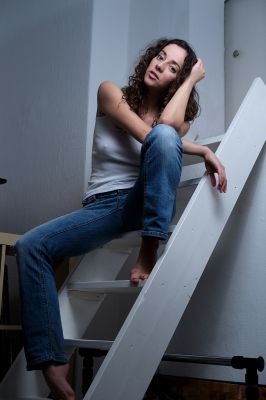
[173,388]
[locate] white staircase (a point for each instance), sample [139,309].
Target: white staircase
[138,348]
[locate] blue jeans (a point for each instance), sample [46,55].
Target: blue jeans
[149,206]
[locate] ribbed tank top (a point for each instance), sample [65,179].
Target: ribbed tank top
[115,158]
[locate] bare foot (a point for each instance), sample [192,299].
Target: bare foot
[56,378]
[146,259]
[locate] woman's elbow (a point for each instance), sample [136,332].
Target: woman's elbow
[175,123]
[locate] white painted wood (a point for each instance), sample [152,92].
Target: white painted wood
[210,140]
[76,314]
[8,239]
[89,344]
[140,344]
[28,384]
[190,182]
[105,287]
[2,272]
[192,172]
[24,398]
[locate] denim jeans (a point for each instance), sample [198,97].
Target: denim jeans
[149,206]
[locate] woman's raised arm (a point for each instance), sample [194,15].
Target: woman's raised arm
[174,112]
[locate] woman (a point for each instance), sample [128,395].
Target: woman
[136,167]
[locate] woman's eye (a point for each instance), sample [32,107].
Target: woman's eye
[173,69]
[159,57]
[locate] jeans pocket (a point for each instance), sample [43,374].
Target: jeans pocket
[88,201]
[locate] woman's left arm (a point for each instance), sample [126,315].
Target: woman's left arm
[212,163]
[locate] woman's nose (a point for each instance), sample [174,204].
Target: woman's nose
[159,66]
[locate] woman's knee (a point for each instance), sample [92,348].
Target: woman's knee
[23,244]
[27,243]
[165,138]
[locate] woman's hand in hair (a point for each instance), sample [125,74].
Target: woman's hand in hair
[197,72]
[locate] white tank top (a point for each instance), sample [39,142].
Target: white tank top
[115,158]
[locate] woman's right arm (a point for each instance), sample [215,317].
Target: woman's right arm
[175,110]
[110,103]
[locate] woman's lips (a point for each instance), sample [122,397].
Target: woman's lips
[153,75]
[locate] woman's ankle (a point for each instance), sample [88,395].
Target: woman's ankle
[146,259]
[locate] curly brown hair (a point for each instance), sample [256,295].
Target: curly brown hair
[134,93]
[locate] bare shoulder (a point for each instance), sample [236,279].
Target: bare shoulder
[108,89]
[109,98]
[112,104]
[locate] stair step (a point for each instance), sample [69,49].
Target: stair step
[193,172]
[210,140]
[106,287]
[88,344]
[189,182]
[25,398]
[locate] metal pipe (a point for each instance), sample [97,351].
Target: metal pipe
[198,359]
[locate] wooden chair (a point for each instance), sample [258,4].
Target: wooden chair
[7,241]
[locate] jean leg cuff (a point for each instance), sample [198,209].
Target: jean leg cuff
[43,362]
[159,235]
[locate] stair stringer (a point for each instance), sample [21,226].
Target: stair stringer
[135,354]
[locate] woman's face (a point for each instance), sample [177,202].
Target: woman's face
[164,68]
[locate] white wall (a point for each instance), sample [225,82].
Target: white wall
[206,33]
[245,31]
[151,20]
[108,56]
[202,25]
[44,65]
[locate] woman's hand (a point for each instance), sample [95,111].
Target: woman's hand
[214,165]
[197,72]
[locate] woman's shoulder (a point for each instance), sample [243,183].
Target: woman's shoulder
[107,87]
[108,93]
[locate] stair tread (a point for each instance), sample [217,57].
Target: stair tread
[116,286]
[25,398]
[88,343]
[189,182]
